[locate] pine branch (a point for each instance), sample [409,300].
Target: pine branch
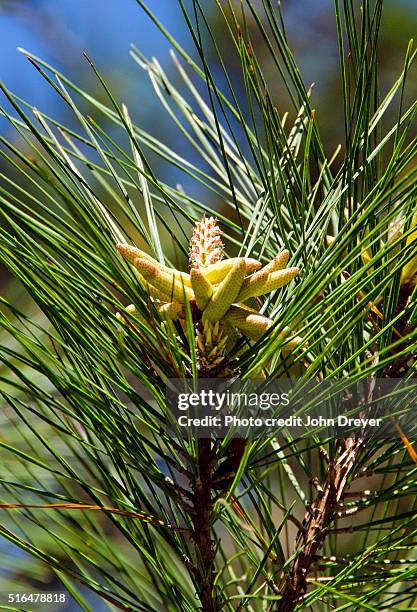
[317,522]
[202,535]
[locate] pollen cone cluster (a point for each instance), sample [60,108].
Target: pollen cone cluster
[216,289]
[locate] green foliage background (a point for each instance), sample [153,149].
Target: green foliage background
[81,408]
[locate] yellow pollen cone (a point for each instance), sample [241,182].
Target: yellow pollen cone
[130,253]
[251,324]
[202,287]
[225,293]
[252,285]
[280,278]
[218,271]
[169,282]
[171,311]
[262,285]
[278,263]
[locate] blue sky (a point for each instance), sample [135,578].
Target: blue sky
[59,31]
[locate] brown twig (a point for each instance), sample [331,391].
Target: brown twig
[317,522]
[203,508]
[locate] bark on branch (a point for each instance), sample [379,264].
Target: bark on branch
[317,523]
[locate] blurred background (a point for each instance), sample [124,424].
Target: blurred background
[59,31]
